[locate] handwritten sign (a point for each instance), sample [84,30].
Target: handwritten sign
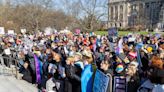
[100,82]
[2,30]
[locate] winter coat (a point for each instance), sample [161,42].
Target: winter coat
[27,74]
[133,83]
[45,75]
[156,75]
[147,86]
[109,72]
[73,79]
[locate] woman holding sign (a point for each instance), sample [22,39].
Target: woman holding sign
[107,69]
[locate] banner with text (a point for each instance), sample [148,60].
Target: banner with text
[100,82]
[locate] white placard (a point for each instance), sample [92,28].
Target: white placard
[23,31]
[7,51]
[11,40]
[2,30]
[132,39]
[11,32]
[48,31]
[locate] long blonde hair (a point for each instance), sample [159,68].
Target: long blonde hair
[71,59]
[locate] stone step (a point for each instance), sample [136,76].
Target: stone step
[11,84]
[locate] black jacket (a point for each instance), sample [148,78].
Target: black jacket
[27,74]
[156,75]
[133,83]
[73,79]
[109,71]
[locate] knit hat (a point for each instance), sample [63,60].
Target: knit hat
[119,68]
[87,54]
[79,54]
[134,63]
[133,54]
[149,49]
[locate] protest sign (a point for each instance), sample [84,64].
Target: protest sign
[23,31]
[100,82]
[119,84]
[55,31]
[7,51]
[48,31]
[2,30]
[11,32]
[131,39]
[112,32]
[78,31]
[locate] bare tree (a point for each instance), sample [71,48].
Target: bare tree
[88,12]
[38,14]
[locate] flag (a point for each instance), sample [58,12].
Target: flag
[38,68]
[86,79]
[139,58]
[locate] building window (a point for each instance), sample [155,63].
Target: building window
[111,13]
[147,5]
[121,13]
[116,13]
[120,25]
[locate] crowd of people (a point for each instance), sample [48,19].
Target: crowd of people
[67,62]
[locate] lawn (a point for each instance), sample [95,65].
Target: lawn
[121,33]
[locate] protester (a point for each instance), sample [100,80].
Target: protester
[67,62]
[106,67]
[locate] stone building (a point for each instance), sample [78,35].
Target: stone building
[132,13]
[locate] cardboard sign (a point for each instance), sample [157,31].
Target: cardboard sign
[11,32]
[100,82]
[2,30]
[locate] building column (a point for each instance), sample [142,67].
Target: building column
[118,9]
[109,15]
[120,15]
[114,13]
[113,20]
[125,15]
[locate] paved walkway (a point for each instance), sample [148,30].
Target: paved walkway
[11,84]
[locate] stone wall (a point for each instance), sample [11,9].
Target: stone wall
[130,13]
